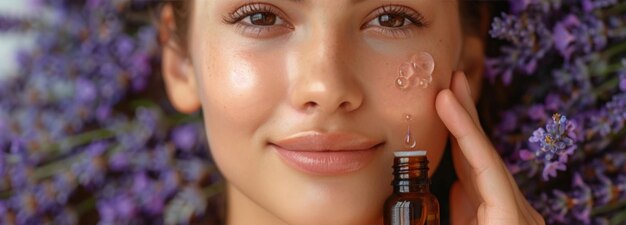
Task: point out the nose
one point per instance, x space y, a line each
322 78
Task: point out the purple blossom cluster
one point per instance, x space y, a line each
83 139
572 55
552 145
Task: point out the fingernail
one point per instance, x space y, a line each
467 86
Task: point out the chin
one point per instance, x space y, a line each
350 209
336 216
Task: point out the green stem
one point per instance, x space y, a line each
619 218
55 149
5 194
79 139
617 9
616 49
608 208
213 189
52 168
86 205
614 68
608 85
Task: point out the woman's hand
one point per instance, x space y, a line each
486 192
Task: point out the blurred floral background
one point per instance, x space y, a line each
87 135
86 132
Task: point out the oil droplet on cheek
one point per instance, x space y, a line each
417 72
402 83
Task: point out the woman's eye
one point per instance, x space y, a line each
390 20
255 14
263 19
258 20
395 21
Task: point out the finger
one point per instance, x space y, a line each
465 174
459 87
462 91
491 181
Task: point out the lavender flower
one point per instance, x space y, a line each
589 5
580 73
530 39
571 34
557 139
11 24
552 145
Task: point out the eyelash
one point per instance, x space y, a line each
416 19
396 10
248 10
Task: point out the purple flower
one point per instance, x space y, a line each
90 167
66 121
537 112
578 72
563 37
12 24
530 40
519 5
551 168
583 199
577 203
185 137
589 5
509 121
118 208
557 138
579 34
553 102
616 108
85 91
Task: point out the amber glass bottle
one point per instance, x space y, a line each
411 202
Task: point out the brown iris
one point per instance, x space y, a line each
391 20
263 19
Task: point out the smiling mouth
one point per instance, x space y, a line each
327 162
327 154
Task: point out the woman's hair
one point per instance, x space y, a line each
182 10
474 18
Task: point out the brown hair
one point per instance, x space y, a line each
182 9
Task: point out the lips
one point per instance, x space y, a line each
326 153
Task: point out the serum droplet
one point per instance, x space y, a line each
406 70
409 141
402 83
418 71
423 62
407 117
425 82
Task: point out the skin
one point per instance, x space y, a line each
321 70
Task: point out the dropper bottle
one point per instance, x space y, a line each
411 202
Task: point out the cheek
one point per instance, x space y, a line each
240 91
389 103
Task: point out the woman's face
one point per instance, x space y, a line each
323 70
